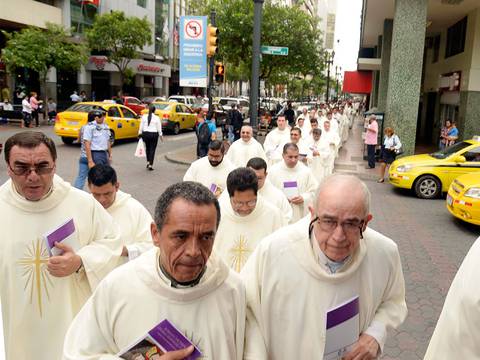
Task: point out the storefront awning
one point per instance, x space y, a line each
357 82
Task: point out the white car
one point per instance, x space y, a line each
242 104
184 99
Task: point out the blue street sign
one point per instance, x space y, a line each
193 51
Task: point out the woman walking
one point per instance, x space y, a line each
34 103
26 111
391 146
150 129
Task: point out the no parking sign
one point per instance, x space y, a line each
193 54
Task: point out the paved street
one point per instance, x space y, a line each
432 244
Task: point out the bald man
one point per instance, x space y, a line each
330 259
245 148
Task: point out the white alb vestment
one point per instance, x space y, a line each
289 292
238 236
137 296
38 307
330 140
274 142
240 152
201 171
319 159
457 334
277 198
133 221
282 176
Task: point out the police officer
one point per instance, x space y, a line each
96 138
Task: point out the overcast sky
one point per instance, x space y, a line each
347 30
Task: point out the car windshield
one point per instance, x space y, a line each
162 106
84 108
445 153
227 102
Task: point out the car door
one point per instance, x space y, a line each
190 117
180 116
472 163
116 121
132 122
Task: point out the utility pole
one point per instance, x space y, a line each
329 62
211 67
255 82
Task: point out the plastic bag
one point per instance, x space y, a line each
140 150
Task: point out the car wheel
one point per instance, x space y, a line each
112 137
428 187
67 140
176 129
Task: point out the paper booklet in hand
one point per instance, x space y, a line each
290 189
164 337
343 327
65 233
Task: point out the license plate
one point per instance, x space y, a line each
72 122
449 200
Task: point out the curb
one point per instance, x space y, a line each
169 157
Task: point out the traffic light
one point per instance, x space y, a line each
219 72
212 41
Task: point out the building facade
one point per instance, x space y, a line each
425 58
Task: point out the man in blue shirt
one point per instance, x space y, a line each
96 138
206 132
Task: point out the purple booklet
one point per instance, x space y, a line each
290 189
64 233
164 337
342 329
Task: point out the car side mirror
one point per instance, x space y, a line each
459 159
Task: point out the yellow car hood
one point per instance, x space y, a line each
423 159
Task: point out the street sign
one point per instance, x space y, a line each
193 54
274 50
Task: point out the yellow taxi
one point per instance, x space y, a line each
174 115
428 175
463 198
122 121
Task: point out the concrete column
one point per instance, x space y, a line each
405 72
84 80
384 72
51 84
467 122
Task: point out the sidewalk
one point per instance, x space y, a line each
349 161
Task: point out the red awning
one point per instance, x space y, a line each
357 82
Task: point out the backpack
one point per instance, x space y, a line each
204 134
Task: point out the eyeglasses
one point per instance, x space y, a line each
42 169
239 204
348 227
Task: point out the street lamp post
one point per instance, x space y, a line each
254 84
329 61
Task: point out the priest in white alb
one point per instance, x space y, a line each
245 148
130 216
275 140
269 192
329 140
319 155
212 170
181 280
330 259
295 180
457 334
246 218
41 292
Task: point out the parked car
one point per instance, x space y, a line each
134 104
463 198
428 175
184 99
147 100
227 102
123 122
175 116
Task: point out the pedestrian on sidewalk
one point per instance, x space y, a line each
97 140
150 130
26 111
391 146
452 135
371 140
79 182
34 103
206 132
51 111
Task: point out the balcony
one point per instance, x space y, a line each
29 12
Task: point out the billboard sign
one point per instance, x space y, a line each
193 51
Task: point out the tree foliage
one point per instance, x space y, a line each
39 50
281 26
119 37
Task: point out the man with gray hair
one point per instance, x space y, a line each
181 280
328 284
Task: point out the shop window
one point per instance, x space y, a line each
436 48
82 16
456 35
142 3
